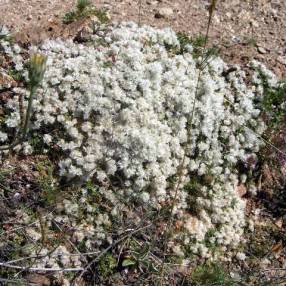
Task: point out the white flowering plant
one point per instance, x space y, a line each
126 112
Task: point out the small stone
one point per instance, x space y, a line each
282 60
30 17
153 3
279 222
254 23
241 190
164 13
261 50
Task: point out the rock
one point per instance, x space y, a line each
282 60
153 3
261 50
254 23
165 12
241 190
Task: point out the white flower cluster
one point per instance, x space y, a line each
79 222
11 50
125 107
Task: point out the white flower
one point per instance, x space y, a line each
145 197
47 138
3 136
241 256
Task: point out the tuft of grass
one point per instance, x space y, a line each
84 9
82 5
198 44
46 182
211 274
250 41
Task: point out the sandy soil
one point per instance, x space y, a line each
243 29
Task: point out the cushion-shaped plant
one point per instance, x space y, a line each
130 109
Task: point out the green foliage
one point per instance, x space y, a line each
70 17
94 197
199 47
106 266
46 181
139 257
250 41
210 233
36 141
274 101
193 188
84 9
199 41
16 75
184 40
82 4
211 275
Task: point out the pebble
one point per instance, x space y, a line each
152 2
282 60
261 50
164 13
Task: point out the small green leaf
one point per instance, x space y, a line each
144 253
128 262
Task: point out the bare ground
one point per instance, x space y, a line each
242 29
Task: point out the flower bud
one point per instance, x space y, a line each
37 69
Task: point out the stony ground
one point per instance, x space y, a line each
242 29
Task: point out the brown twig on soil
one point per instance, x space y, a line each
70 242
38 269
130 234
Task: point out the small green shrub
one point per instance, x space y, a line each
106 266
82 4
84 9
274 103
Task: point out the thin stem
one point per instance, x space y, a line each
36 269
168 230
139 12
29 111
21 133
130 234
